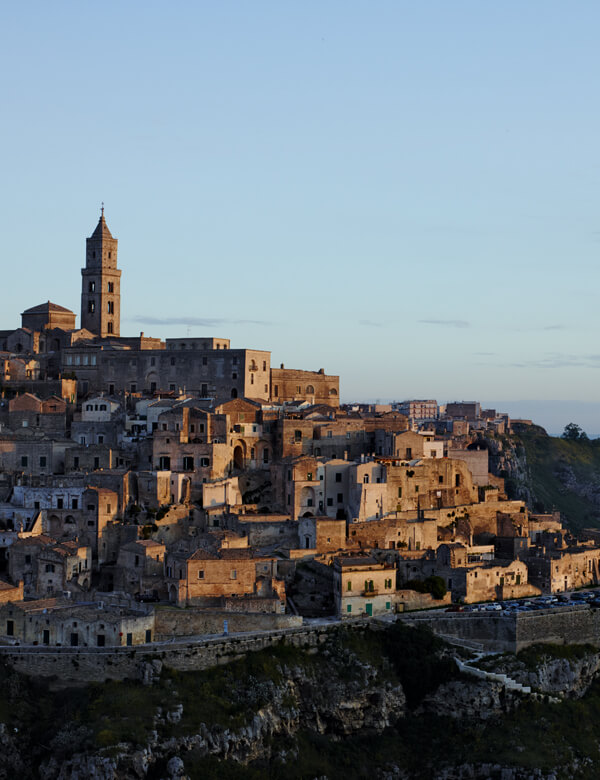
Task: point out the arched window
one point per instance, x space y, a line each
310 390
234 393
333 391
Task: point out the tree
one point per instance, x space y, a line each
573 432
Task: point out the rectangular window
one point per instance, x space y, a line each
200 575
74 503
340 498
110 307
111 287
349 585
349 608
109 327
91 307
330 502
338 476
233 574
10 628
42 461
24 461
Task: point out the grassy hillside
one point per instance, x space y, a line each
564 475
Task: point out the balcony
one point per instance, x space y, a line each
370 593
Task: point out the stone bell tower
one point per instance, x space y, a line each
101 283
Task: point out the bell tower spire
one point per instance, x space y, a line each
101 283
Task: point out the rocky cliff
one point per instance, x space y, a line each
385 703
549 473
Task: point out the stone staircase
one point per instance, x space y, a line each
503 679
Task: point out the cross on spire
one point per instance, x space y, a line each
102 209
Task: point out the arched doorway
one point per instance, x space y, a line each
238 457
307 498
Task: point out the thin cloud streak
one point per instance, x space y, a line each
205 322
448 323
558 360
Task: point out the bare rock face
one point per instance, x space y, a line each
568 677
339 697
480 699
12 762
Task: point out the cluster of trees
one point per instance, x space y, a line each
573 432
434 585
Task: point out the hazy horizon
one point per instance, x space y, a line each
553 416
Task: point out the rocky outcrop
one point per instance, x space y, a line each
340 697
508 459
554 676
469 699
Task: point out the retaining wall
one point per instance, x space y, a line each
72 665
511 633
169 622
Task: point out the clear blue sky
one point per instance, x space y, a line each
404 193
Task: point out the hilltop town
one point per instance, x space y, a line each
152 488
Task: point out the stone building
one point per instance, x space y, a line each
418 411
101 284
46 565
316 387
558 570
59 622
47 316
363 586
206 576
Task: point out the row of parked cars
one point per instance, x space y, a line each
590 598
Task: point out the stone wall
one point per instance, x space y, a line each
170 622
76 665
511 633
491 631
